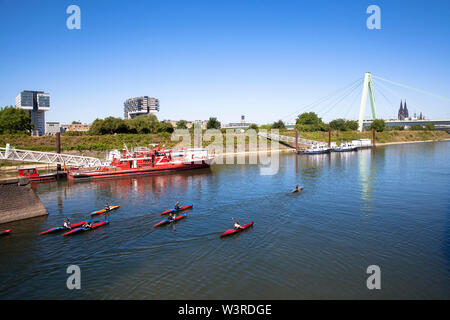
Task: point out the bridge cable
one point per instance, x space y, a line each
323 99
378 90
351 106
415 89
341 98
400 97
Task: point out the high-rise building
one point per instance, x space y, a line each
134 107
36 103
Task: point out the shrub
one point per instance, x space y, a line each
278 125
213 123
429 126
416 127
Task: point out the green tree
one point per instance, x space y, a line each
213 123
76 122
309 118
351 125
14 120
378 125
165 127
96 127
310 121
338 124
253 126
113 125
182 124
278 125
145 124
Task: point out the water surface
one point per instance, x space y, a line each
388 207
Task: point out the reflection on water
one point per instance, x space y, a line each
366 178
315 244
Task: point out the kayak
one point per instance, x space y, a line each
5 232
166 221
57 229
92 227
111 208
180 209
233 231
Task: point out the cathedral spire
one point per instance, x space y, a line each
400 111
405 110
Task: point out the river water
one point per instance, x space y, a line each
388 207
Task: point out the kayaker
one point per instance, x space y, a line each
171 217
86 225
67 223
236 224
177 205
297 189
107 208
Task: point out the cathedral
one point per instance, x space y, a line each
403 113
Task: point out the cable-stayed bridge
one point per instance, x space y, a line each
343 101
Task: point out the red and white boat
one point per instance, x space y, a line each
33 175
146 161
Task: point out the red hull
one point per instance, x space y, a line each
5 232
127 172
56 229
180 209
94 226
234 231
164 222
43 178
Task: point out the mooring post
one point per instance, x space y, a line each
296 140
58 148
329 138
373 138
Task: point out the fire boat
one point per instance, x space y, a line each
144 160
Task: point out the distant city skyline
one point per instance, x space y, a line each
266 59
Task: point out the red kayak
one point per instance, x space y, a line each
233 231
92 227
180 209
166 221
5 232
72 226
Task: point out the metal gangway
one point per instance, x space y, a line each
11 154
278 137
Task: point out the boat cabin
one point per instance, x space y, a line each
31 172
33 175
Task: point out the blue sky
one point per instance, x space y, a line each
263 59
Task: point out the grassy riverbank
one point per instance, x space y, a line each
116 141
380 137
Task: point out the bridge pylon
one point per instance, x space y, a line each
367 87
